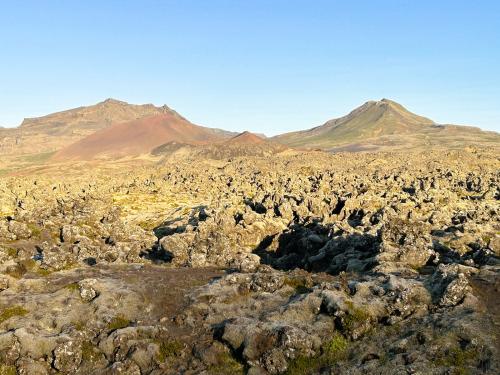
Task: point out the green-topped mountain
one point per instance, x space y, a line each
385 124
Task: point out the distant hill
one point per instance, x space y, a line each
385 124
94 117
139 137
55 131
246 138
243 144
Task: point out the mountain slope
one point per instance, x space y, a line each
138 137
55 131
385 124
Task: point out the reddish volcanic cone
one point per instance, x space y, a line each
137 137
246 138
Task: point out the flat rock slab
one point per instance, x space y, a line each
154 291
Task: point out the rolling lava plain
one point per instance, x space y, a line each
169 251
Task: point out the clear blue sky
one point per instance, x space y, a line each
261 65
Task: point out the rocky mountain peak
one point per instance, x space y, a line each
113 101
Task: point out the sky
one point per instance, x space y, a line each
267 66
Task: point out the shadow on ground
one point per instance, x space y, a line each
316 248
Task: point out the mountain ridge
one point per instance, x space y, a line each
107 111
374 125
382 124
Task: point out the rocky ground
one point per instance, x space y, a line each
374 263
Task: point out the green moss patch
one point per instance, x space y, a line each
90 352
36 158
7 370
12 252
332 352
43 272
168 349
300 284
17 270
226 365
79 325
36 232
73 286
11 312
355 317
118 322
458 359
336 347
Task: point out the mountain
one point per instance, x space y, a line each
55 131
93 117
385 124
139 137
243 144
